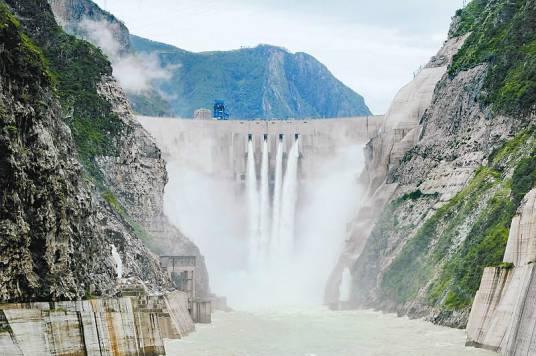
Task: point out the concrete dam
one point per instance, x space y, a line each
225 142
281 193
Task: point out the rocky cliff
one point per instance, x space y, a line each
448 172
84 19
136 178
57 234
70 15
62 221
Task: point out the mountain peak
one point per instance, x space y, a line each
264 81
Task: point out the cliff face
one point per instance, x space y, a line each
70 15
129 167
57 233
445 180
86 20
260 82
401 130
136 176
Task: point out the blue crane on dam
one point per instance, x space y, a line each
220 112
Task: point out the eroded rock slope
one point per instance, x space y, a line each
445 180
57 233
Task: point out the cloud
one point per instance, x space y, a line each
135 72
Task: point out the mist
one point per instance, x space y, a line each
136 73
216 214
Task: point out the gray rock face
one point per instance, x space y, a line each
437 134
70 13
400 132
456 137
56 233
137 177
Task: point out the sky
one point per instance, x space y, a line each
374 47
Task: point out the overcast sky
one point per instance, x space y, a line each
372 46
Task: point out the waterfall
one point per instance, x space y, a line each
345 287
118 263
253 205
288 204
264 223
276 206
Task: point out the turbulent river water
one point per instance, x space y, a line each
320 332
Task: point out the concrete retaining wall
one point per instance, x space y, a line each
503 316
122 326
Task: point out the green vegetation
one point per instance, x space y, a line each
259 82
416 255
417 194
486 207
506 265
20 58
504 36
135 228
79 67
469 16
501 156
75 68
484 246
524 178
150 104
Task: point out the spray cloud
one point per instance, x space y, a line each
135 72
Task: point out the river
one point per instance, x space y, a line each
320 332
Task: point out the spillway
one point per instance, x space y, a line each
276 206
267 202
264 223
253 205
288 205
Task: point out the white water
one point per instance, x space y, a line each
346 286
276 206
264 224
216 216
319 332
117 262
270 243
285 246
253 207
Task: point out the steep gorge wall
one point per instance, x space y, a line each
65 236
444 187
401 130
57 234
133 172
